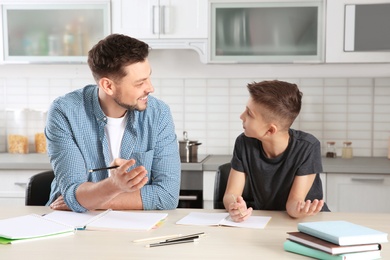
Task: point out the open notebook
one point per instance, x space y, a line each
109 219
32 226
222 219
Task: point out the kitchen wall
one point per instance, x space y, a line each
340 101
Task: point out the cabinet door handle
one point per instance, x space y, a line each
165 19
156 19
371 180
21 184
188 197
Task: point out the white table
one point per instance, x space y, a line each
219 243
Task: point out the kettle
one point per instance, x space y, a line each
188 149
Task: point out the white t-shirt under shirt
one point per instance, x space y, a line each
114 131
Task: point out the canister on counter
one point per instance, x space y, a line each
37 121
331 150
347 152
17 137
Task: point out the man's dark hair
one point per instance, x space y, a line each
110 55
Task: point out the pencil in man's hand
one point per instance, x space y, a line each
104 168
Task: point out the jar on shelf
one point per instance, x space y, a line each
331 150
17 137
347 150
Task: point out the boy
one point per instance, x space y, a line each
282 165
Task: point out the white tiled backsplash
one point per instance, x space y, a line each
334 108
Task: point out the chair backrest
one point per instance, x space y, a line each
38 189
221 178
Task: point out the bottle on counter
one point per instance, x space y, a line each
347 150
331 150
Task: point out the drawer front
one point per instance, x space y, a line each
358 192
13 183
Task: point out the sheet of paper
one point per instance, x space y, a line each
74 219
202 219
252 222
127 220
214 219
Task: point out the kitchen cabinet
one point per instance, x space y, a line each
345 25
161 19
13 185
208 189
358 192
52 31
164 24
261 31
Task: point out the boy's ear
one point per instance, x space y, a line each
273 129
106 85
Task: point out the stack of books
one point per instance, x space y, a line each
335 240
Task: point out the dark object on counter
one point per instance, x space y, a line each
38 189
221 178
331 155
331 150
188 149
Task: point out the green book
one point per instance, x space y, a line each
32 226
297 248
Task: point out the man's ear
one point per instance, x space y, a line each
106 85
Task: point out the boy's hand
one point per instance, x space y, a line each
238 210
309 208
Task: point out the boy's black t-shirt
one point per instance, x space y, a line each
271 179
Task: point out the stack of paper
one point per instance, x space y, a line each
335 240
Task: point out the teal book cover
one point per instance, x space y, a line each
297 248
343 233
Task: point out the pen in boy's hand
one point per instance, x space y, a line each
104 168
235 200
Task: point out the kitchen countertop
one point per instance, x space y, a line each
372 165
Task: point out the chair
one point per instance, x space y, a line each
221 179
38 189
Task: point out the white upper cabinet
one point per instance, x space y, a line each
161 19
358 31
164 24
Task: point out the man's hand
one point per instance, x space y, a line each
128 181
59 204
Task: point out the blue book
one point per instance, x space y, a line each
343 233
297 248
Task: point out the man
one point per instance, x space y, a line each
117 123
282 165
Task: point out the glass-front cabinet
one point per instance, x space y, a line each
267 31
53 31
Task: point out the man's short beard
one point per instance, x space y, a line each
127 107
